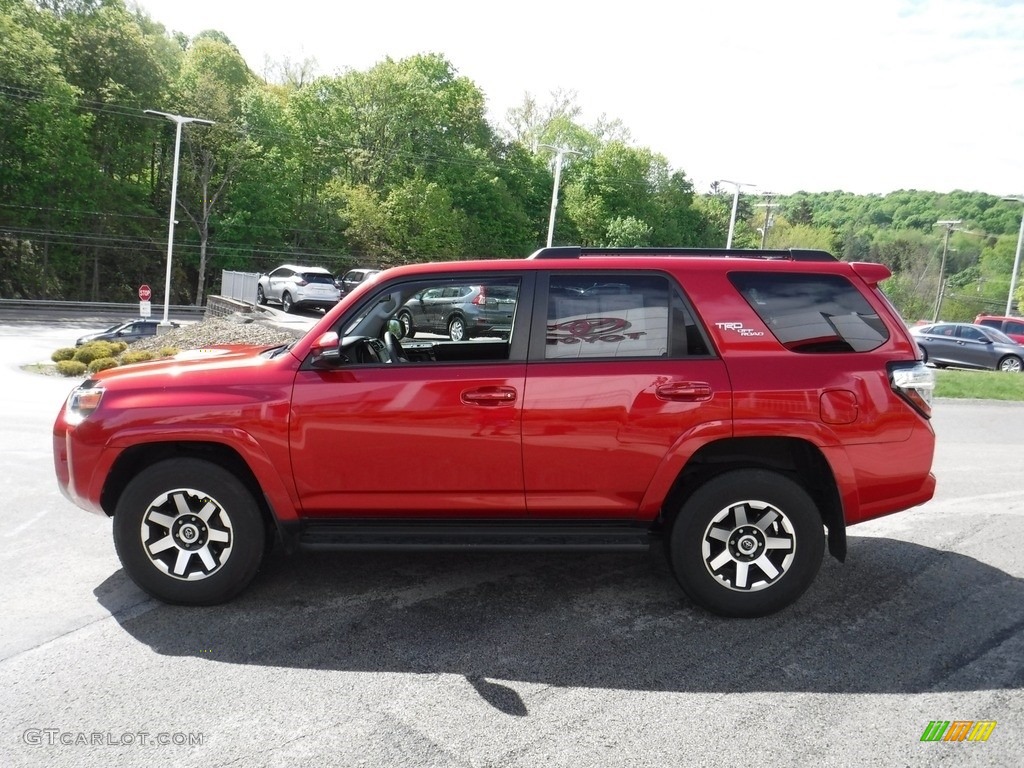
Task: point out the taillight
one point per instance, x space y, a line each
300 282
915 383
481 298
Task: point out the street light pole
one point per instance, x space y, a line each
1016 259
735 205
560 152
178 120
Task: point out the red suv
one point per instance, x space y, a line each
739 408
1011 326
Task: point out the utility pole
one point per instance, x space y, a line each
950 226
767 215
735 205
560 152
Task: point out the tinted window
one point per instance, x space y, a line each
591 316
316 277
989 323
812 313
1013 327
976 334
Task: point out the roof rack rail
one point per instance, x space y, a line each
578 252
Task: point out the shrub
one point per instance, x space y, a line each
94 350
64 353
137 356
168 351
119 346
102 363
70 367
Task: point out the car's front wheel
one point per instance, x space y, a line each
189 532
408 329
261 297
1010 364
747 543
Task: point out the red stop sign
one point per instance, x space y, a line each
145 293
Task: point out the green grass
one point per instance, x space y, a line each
980 385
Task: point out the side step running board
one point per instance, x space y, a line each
477 536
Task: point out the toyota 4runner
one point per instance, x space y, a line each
738 408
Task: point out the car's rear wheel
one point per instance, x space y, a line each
1010 364
188 531
261 297
286 301
747 543
457 330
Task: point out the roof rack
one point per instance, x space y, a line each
578 252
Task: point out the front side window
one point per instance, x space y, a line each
810 313
617 316
437 319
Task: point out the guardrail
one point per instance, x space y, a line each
92 307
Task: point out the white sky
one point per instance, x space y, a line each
785 95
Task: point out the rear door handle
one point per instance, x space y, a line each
490 396
685 391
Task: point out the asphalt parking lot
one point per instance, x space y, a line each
512 660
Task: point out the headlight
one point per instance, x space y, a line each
82 401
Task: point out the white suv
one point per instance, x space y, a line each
292 286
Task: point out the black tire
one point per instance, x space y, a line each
924 354
1010 364
747 543
261 297
457 330
408 329
189 532
286 301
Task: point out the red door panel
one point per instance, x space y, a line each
409 440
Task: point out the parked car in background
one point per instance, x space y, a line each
1011 326
292 286
129 331
968 345
460 312
351 279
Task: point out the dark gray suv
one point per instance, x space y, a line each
460 312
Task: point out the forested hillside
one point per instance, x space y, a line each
374 168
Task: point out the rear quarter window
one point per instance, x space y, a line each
811 313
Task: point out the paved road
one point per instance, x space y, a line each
511 660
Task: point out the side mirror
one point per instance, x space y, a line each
395 328
325 350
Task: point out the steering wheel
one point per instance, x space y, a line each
395 351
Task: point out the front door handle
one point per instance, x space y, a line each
685 391
490 396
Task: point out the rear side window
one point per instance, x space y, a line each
990 323
620 316
812 313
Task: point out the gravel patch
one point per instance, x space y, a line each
232 329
